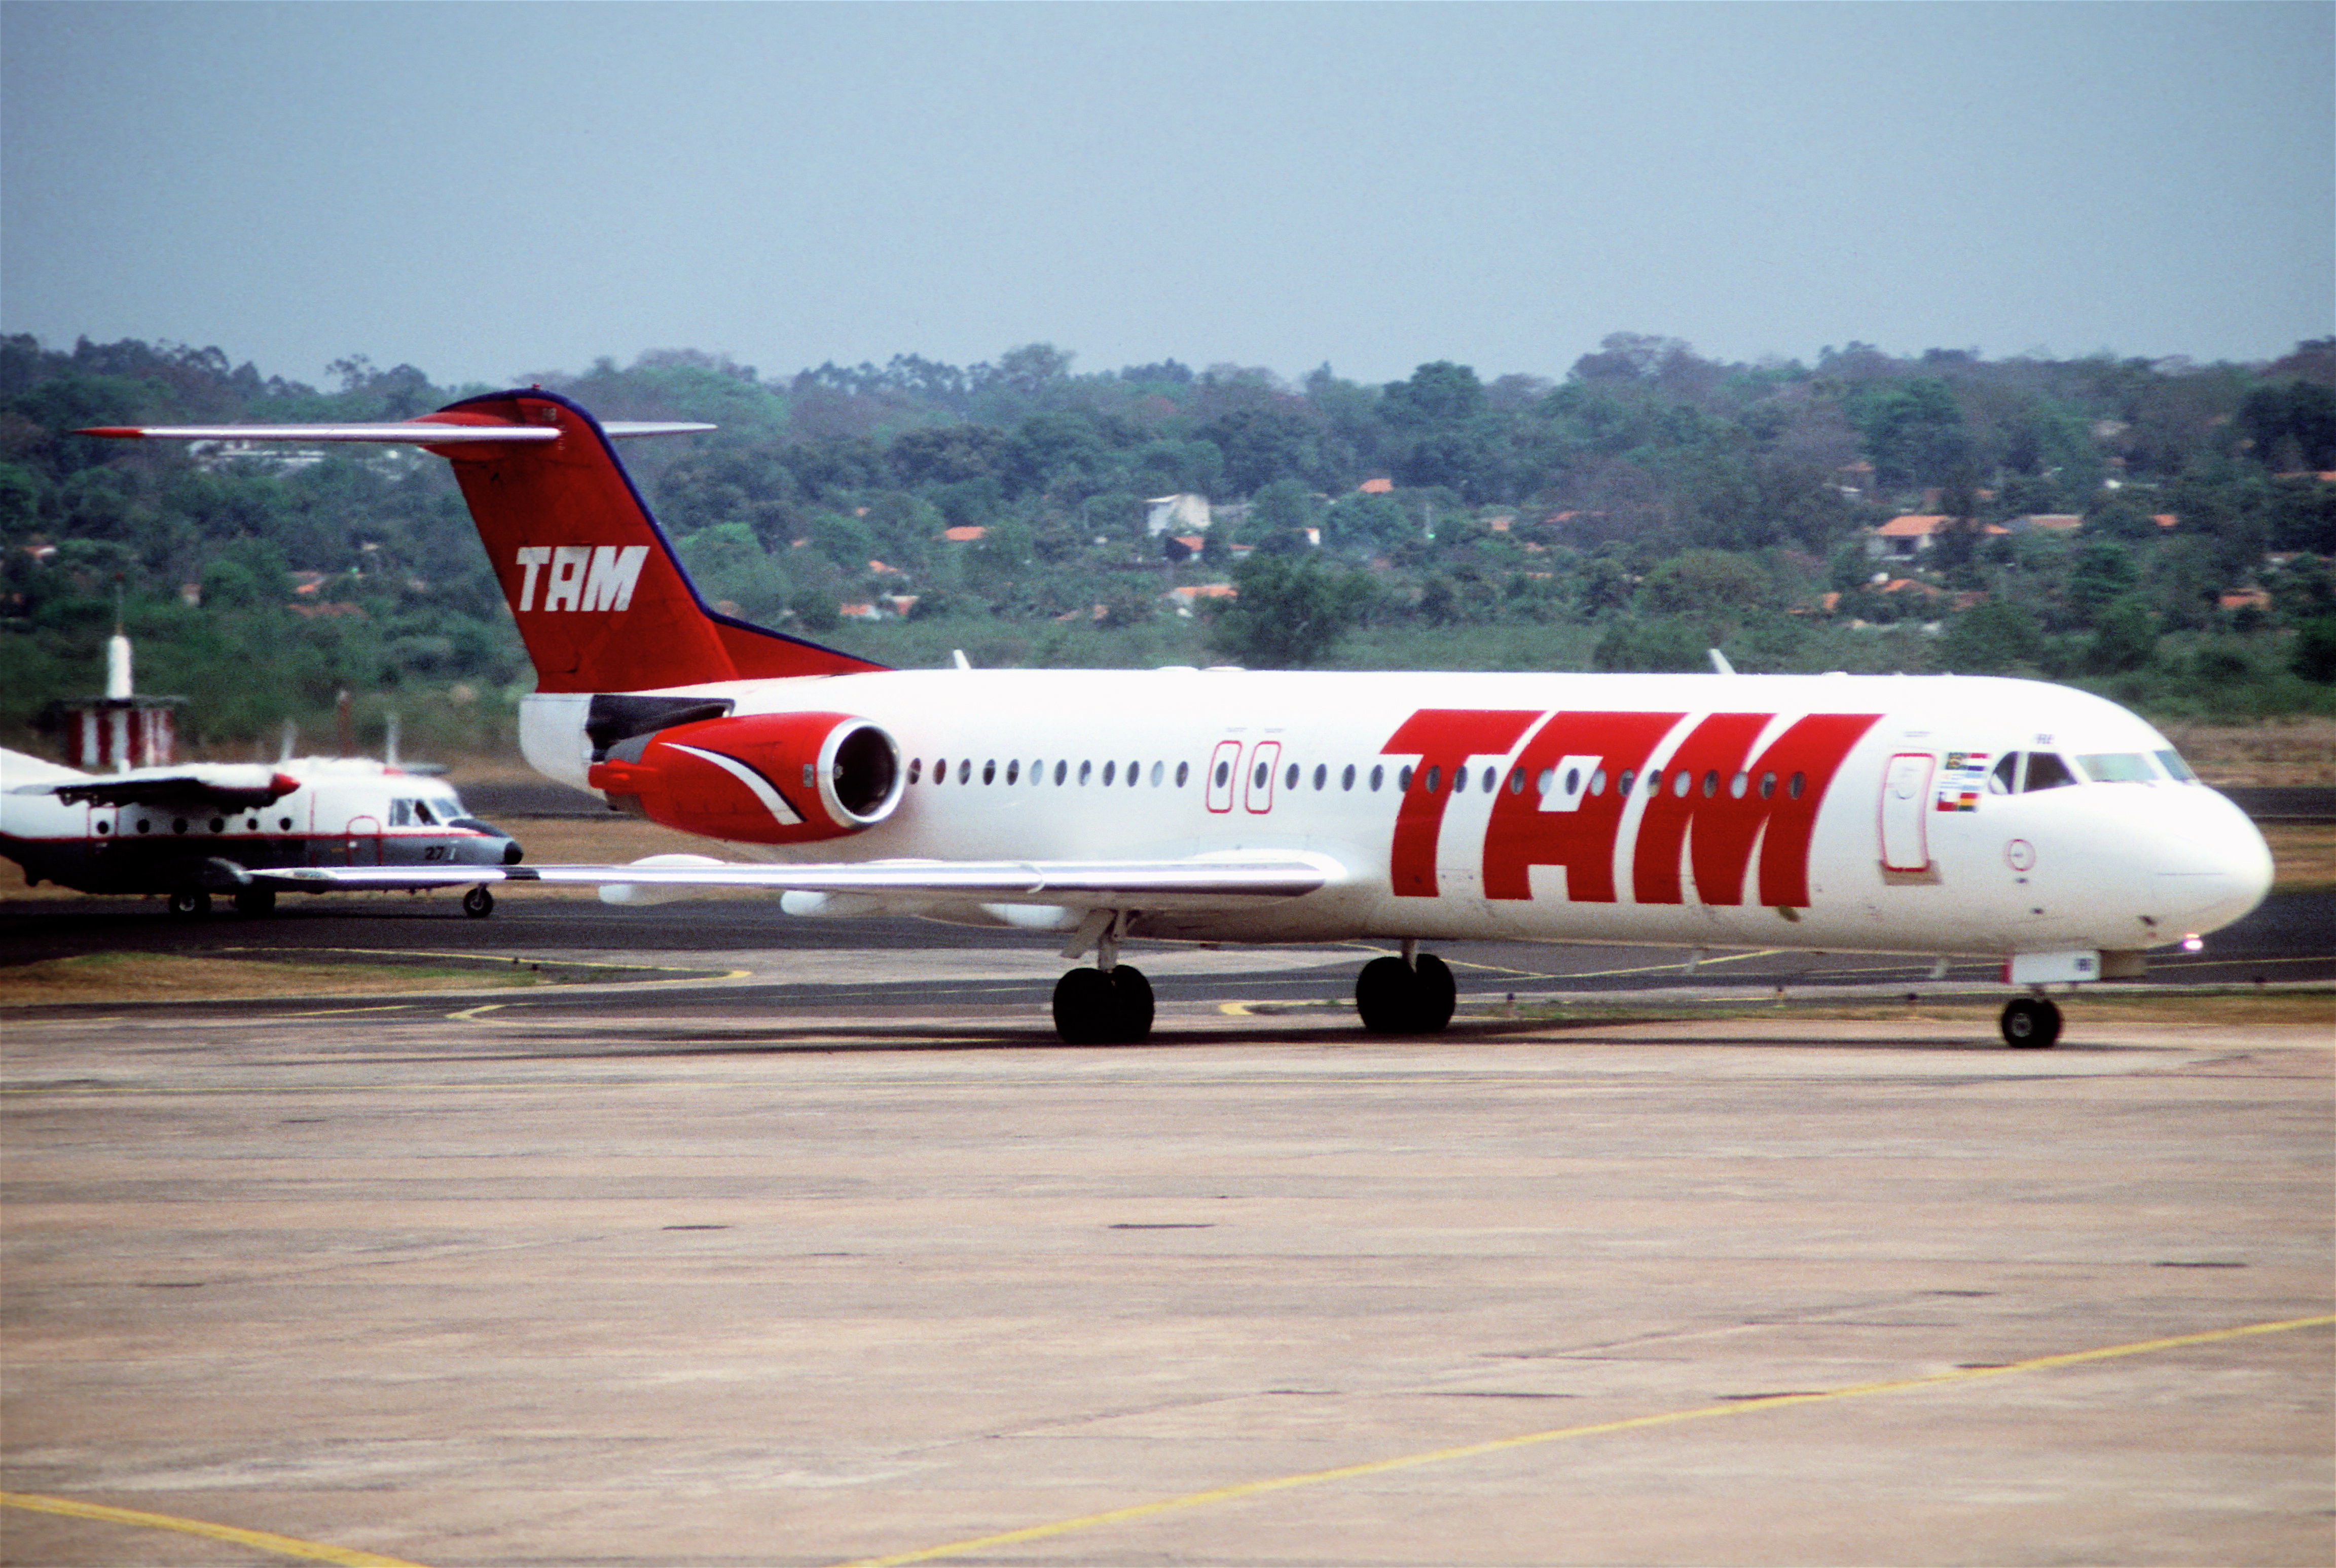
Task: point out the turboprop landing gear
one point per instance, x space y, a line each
1110 1004
2030 1023
478 903
191 904
1412 995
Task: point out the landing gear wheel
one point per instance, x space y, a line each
478 903
191 904
1398 999
255 901
1131 996
1436 995
2030 1023
1096 1008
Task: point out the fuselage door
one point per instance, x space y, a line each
363 838
1905 798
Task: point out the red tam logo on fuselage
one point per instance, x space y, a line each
1567 795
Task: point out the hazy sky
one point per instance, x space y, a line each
484 191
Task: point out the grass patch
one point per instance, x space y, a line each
170 977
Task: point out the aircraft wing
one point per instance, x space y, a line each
1169 884
225 786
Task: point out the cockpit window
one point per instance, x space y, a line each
2114 768
2176 768
2005 779
421 814
2045 771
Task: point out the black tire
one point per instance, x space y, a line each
191 904
1131 998
1084 1006
1384 995
1436 996
2030 1023
478 903
255 901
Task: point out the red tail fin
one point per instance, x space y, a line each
601 602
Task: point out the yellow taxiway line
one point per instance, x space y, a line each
1529 1439
263 1540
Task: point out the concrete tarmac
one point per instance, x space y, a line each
687 1277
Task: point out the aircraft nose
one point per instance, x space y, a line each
2213 867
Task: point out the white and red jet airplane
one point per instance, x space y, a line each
1934 815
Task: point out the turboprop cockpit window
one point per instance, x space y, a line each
2115 767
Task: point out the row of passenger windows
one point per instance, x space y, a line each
1680 780
1062 772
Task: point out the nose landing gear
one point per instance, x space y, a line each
2030 1023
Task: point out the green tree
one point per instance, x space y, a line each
1289 612
1992 639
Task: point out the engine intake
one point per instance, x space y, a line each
770 778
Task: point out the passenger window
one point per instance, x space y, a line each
1321 775
1654 780
1800 782
2005 779
1109 768
1224 771
1290 779
1062 771
2045 771
916 769
1459 781
1767 787
965 771
1183 771
1086 770
1402 778
1347 779
940 770
1012 770
1598 781
1622 784
1436 780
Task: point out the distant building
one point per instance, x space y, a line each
1910 537
1185 513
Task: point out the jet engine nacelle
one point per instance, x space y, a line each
768 778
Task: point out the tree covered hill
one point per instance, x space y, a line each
1648 504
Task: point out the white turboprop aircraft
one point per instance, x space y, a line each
195 828
1936 816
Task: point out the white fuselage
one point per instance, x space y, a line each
1908 843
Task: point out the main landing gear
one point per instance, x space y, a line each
1110 1004
1412 995
189 903
2030 1023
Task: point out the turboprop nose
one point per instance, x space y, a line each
2212 864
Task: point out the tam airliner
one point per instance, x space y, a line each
1931 815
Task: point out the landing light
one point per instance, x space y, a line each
2192 942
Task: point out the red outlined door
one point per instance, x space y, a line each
1257 784
363 838
1905 830
1223 764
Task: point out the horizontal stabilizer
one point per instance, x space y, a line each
418 432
